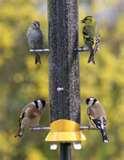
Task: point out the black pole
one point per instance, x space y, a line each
64 65
65 151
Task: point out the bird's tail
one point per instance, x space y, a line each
94 49
91 58
104 135
37 59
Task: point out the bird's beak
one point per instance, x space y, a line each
82 20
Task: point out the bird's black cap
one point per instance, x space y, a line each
43 102
36 103
86 18
36 22
89 98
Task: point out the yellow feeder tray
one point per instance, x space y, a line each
63 130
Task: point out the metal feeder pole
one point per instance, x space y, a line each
64 65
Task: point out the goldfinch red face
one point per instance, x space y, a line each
40 104
36 108
30 115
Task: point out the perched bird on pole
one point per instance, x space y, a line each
30 116
89 35
97 115
35 39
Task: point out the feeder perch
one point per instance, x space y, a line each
39 50
82 49
64 130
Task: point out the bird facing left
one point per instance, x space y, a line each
89 36
30 115
97 115
35 39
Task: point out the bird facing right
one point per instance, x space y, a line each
35 39
97 115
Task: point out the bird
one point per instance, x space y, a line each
30 115
97 115
35 39
89 33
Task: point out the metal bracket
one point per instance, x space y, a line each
39 50
88 128
81 49
54 145
40 129
47 128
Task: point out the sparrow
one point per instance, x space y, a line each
89 35
30 115
35 39
97 115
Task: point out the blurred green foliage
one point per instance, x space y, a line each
21 81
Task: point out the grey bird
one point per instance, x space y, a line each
30 115
97 115
35 39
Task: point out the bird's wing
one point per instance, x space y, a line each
89 31
28 32
97 122
100 122
35 38
40 37
90 115
23 112
22 115
103 120
100 111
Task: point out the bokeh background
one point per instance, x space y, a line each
21 80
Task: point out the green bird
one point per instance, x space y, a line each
89 34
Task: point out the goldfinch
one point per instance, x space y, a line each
97 115
30 115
